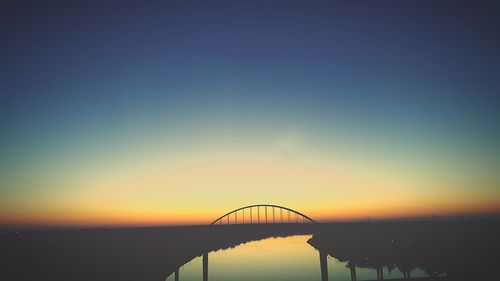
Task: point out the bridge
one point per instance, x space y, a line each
281 219
263 214
275 214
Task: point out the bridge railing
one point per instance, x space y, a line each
263 214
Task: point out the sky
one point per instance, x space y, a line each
175 112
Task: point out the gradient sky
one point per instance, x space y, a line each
178 111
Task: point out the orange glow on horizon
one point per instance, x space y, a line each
354 213
198 192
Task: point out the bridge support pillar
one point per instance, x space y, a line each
353 272
380 273
176 275
205 267
323 265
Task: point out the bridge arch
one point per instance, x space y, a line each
232 216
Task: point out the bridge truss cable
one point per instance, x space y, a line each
232 216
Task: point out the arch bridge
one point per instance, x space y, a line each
263 214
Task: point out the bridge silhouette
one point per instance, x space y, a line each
279 217
275 215
326 244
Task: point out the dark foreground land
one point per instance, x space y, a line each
464 250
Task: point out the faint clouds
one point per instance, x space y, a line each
290 145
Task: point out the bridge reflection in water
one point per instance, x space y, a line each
323 254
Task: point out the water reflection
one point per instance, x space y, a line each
286 258
289 258
368 259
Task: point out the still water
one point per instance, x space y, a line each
282 258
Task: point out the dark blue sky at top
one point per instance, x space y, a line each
89 65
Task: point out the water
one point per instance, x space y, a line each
283 258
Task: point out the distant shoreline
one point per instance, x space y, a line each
450 218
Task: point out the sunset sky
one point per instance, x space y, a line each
175 112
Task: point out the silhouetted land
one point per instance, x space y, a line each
464 250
